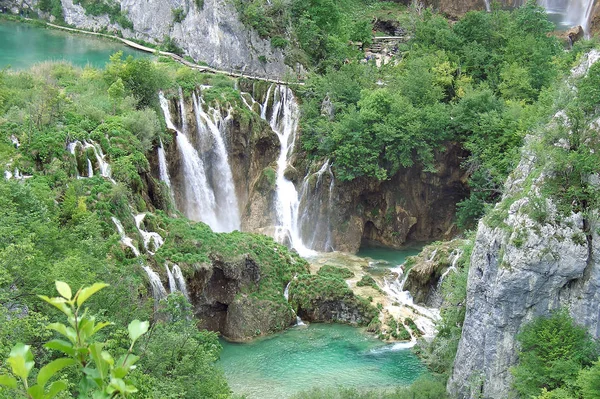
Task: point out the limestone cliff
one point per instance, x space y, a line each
529 258
211 33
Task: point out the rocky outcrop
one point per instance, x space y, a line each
528 260
319 298
412 205
211 33
219 293
429 269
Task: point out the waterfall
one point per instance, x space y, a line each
150 237
226 205
128 242
569 13
172 284
454 256
163 168
316 203
426 318
199 199
90 168
284 122
488 7
180 281
158 291
286 295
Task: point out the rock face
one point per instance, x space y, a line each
525 263
218 293
211 34
412 205
429 269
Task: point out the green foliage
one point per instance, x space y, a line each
552 352
368 281
423 388
106 7
335 271
179 15
105 379
309 290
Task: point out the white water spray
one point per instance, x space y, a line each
284 122
150 237
163 167
226 205
128 242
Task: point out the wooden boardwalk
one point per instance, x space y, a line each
201 68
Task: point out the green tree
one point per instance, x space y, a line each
552 351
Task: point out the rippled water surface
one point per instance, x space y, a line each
321 355
23 45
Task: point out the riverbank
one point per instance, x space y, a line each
151 50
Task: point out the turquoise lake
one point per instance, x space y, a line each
23 45
320 355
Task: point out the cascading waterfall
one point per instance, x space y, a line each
394 288
286 295
316 207
128 242
163 168
284 122
150 237
454 257
226 205
103 165
569 13
171 279
199 199
180 281
158 291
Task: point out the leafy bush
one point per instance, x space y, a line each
552 351
334 271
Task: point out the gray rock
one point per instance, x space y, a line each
521 268
213 34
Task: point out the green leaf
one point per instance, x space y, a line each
55 388
61 345
100 326
68 332
59 303
88 292
36 392
52 368
64 290
21 360
8 381
137 329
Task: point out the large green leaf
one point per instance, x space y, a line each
55 388
60 303
64 290
8 381
52 368
68 332
87 292
61 345
137 329
21 360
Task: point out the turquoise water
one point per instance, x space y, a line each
388 258
321 355
23 45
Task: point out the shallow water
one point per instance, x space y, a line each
385 258
23 45
320 355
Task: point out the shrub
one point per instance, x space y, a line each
552 351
